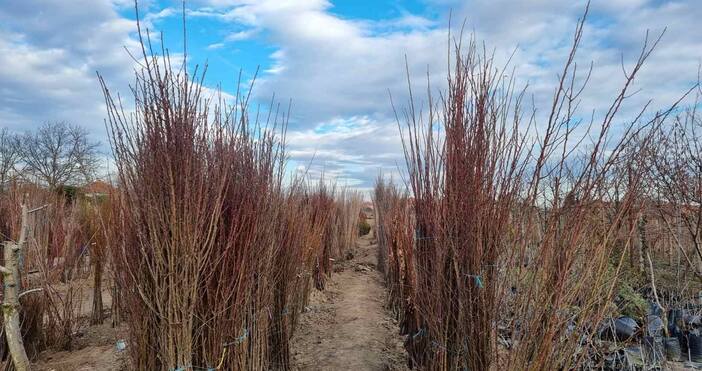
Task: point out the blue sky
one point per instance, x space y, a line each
336 60
230 46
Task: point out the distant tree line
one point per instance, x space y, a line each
56 154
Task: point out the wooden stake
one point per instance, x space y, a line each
11 305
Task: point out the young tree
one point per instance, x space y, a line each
59 153
677 168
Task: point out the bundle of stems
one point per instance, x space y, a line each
394 233
196 180
322 200
514 233
215 256
348 207
465 188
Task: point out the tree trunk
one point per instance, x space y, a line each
96 318
11 307
115 309
643 242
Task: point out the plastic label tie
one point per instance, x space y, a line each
418 333
477 279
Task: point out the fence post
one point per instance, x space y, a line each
11 306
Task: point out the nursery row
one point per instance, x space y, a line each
509 250
207 247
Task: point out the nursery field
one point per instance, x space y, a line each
514 237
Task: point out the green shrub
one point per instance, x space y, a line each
68 192
631 303
363 227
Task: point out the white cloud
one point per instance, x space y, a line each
338 71
240 35
150 18
50 51
335 67
215 46
353 150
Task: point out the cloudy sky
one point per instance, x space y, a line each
337 60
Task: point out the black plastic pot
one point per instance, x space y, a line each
682 338
675 317
673 351
625 328
692 321
653 350
694 344
654 325
633 358
654 309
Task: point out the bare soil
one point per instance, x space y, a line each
346 327
93 347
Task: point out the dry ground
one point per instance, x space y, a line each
346 326
94 347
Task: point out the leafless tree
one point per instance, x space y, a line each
9 155
677 170
59 153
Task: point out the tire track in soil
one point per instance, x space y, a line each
346 327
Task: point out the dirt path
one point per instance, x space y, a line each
346 326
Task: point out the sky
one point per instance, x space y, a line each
337 61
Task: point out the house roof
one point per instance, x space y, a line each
99 187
